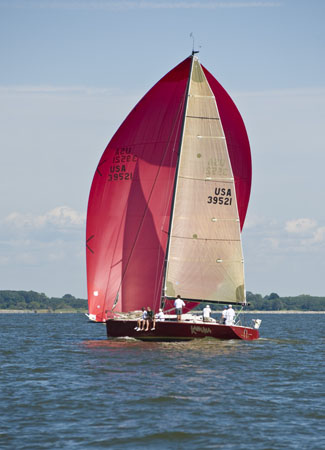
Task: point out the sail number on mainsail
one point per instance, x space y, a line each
224 199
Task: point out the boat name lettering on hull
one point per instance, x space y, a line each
119 170
198 329
221 196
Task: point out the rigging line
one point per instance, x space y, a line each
147 205
238 314
169 195
175 130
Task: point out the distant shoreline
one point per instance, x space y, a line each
45 311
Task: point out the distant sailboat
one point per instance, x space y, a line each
166 208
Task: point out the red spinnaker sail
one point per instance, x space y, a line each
130 201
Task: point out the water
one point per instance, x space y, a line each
65 386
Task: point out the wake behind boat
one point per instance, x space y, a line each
166 208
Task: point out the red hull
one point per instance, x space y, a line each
179 331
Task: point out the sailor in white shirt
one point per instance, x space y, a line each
206 313
178 303
142 320
230 315
160 316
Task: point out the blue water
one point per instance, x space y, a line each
65 386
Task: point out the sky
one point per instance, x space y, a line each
71 70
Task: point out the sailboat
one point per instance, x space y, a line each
166 208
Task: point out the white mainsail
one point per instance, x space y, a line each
205 260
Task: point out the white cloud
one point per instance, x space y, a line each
32 240
61 217
64 216
267 239
317 237
253 220
300 225
319 234
279 261
134 5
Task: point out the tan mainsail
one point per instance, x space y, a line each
204 260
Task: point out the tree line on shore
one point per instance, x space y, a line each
274 302
30 300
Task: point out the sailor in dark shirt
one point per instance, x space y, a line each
150 318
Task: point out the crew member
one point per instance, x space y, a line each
230 315
160 316
178 303
150 319
207 314
142 320
223 315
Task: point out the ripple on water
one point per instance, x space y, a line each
64 385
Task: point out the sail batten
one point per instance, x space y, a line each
208 137
209 179
204 118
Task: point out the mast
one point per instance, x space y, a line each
176 174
